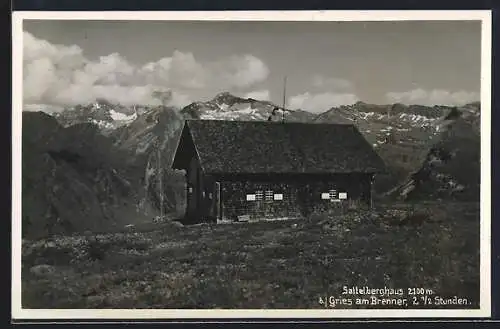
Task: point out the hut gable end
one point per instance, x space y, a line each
186 150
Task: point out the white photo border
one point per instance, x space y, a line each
18 313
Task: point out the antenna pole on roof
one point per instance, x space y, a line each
284 100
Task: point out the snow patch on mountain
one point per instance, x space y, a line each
101 124
105 115
225 106
118 116
415 117
247 114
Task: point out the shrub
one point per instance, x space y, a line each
96 250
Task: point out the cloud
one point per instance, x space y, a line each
320 102
328 92
262 95
240 71
42 107
434 97
62 75
181 70
332 84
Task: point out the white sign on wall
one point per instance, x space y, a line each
278 197
343 195
325 196
250 197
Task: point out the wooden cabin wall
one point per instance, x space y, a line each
234 200
201 195
301 195
355 186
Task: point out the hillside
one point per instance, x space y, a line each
243 265
73 179
159 128
451 169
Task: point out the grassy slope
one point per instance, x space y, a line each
260 265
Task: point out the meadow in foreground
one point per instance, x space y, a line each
282 264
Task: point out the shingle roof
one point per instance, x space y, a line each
276 147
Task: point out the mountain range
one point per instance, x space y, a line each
96 166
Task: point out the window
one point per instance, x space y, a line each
278 197
243 218
190 190
333 194
343 195
250 197
325 196
259 195
269 195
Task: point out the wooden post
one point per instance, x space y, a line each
160 181
284 100
218 203
371 191
187 193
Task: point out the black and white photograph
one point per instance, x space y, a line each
320 164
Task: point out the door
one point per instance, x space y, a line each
192 200
304 198
215 207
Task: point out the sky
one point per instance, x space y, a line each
326 64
